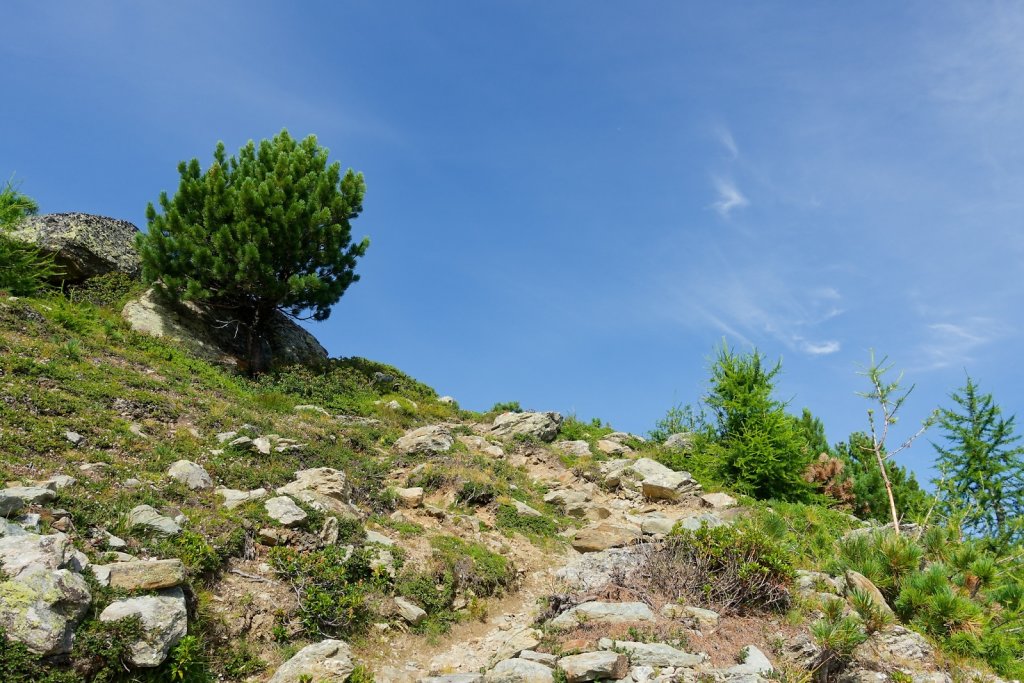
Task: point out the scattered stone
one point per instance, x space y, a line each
567 498
9 504
164 620
94 468
656 524
594 666
410 612
262 445
191 474
454 678
19 551
894 646
325 481
604 613
136 429
525 510
57 482
717 501
545 658
603 536
680 441
142 575
284 511
383 561
74 438
40 607
482 445
653 654
613 447
410 497
754 662
132 483
329 661
224 437
543 426
378 538
28 495
512 644
519 671
695 522
146 516
578 448
306 408
429 439
234 498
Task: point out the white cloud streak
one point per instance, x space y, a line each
729 197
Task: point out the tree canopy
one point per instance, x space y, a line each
266 230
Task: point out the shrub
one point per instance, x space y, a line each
508 519
728 569
837 636
25 268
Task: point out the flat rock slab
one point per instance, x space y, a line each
29 495
284 511
594 666
329 661
141 575
519 671
325 481
234 498
653 654
604 613
604 536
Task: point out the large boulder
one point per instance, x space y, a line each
40 608
205 332
164 621
543 426
83 245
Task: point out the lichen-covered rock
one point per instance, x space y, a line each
329 661
164 621
40 608
543 426
83 245
141 575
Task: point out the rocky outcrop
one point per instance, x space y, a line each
429 439
542 426
83 245
206 333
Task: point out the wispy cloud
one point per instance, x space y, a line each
820 348
948 344
729 197
725 138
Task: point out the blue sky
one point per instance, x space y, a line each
571 203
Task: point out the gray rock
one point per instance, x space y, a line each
284 511
10 528
74 438
198 329
29 495
191 474
141 575
164 620
754 662
604 536
680 441
604 613
83 245
57 482
547 659
857 581
543 426
447 400
40 607
308 408
378 538
9 504
695 522
653 654
234 498
410 612
20 551
479 444
894 646
411 497
329 661
147 517
324 481
594 570
578 448
567 498
656 524
717 501
610 447
429 439
454 678
594 666
519 671
516 640
525 510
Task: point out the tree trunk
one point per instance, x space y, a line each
888 488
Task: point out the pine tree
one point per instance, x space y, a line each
764 453
982 471
24 269
268 230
